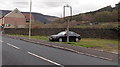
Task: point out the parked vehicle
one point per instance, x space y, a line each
62 37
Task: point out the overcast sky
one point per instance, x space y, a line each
55 7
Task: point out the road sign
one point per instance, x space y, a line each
7 25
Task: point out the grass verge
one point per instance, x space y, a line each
96 43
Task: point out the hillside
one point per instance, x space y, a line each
38 16
105 14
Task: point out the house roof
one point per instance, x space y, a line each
14 13
26 15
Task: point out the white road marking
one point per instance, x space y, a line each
1 41
45 59
13 46
106 58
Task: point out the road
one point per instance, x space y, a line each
0 50
17 52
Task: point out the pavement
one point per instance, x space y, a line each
15 51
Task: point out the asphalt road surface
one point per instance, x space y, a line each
17 52
0 50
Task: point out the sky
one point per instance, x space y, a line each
55 7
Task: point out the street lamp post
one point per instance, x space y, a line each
30 20
67 20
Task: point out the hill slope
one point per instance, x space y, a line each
105 14
38 16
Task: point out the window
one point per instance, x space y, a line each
27 20
61 33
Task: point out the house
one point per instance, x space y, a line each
27 16
15 19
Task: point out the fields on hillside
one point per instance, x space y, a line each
76 25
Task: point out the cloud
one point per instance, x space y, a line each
55 7
21 4
53 4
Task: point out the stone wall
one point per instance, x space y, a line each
85 33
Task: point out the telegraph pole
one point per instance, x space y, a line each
68 20
30 20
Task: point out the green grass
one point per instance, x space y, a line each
96 43
41 37
83 26
103 44
33 37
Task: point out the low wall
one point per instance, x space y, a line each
85 33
